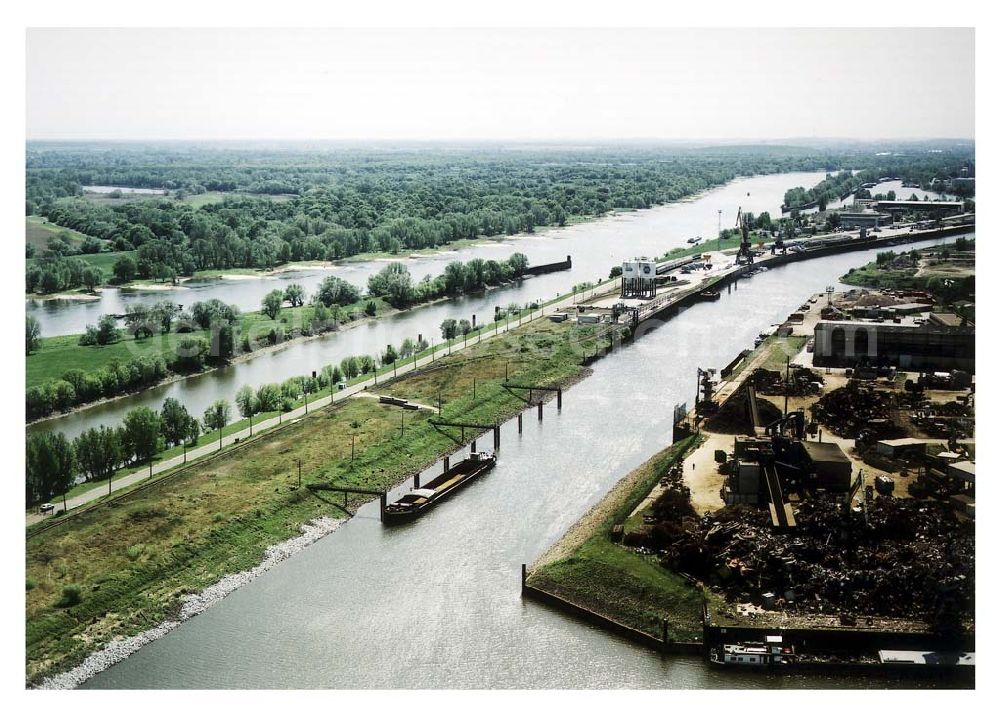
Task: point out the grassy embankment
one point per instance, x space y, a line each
931 265
615 581
57 354
38 231
134 559
875 277
242 424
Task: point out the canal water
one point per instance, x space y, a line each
436 604
594 247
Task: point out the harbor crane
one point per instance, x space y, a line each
745 254
779 240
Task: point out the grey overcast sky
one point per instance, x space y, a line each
499 84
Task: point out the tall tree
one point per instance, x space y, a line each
271 304
91 278
246 402
295 295
335 291
216 417
268 398
519 263
107 330
32 334
125 268
50 462
175 422
99 452
142 433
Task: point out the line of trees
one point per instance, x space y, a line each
56 273
395 284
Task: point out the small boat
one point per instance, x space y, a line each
420 500
694 241
709 295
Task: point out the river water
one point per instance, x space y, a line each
594 247
436 604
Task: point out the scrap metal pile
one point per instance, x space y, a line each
907 559
801 382
734 415
857 411
945 419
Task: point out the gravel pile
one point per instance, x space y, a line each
192 605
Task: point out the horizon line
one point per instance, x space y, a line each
447 140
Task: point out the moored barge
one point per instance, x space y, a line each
420 500
768 654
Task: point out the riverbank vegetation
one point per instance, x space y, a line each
343 201
160 340
947 272
218 516
588 569
108 452
931 172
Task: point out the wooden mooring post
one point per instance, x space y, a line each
416 480
539 410
524 575
520 422
381 508
496 438
473 450
447 463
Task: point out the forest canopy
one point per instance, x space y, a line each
292 204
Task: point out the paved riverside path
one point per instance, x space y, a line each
212 447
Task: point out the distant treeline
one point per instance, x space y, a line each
351 202
929 171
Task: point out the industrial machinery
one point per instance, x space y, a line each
704 402
779 241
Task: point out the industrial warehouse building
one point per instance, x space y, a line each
937 208
863 219
926 347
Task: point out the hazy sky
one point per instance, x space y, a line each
499 84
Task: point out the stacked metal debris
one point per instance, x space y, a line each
857 411
801 382
908 559
944 419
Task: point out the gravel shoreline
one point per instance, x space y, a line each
192 605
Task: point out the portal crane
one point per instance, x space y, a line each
779 241
745 255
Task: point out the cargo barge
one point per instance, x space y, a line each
420 500
772 652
